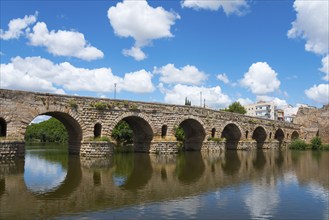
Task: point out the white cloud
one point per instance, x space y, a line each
38 74
278 102
148 23
17 26
213 96
134 52
40 118
138 82
325 67
189 75
311 24
230 7
63 43
319 93
245 101
260 79
223 77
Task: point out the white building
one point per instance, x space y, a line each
262 110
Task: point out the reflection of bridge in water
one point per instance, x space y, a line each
91 185
153 124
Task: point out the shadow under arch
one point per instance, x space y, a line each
279 136
194 134
69 185
259 135
294 135
232 134
142 132
190 167
140 174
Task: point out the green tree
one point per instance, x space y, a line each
236 107
122 133
179 133
51 130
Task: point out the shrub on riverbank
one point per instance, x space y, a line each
316 144
298 144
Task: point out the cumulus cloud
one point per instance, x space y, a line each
310 24
134 52
223 77
319 93
39 74
188 74
214 97
244 101
63 43
137 19
138 82
260 79
278 102
325 67
16 27
238 7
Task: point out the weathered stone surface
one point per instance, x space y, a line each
314 122
153 123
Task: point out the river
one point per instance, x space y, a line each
258 184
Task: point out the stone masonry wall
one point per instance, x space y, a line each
11 149
313 122
80 115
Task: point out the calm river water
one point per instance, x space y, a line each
259 184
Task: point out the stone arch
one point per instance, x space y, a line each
259 135
72 125
194 132
294 135
97 130
142 129
232 134
279 136
3 127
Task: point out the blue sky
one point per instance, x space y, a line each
164 51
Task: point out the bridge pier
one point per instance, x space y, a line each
11 149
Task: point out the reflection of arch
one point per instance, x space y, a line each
143 132
232 134
232 162
71 182
97 130
141 173
294 135
3 127
259 135
279 136
190 167
260 160
194 134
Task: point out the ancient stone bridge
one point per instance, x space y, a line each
153 124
